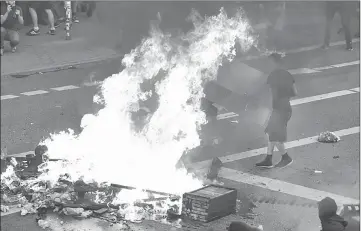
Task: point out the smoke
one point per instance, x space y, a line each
112 147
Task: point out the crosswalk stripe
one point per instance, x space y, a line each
283 187
304 100
64 88
38 92
3 97
261 151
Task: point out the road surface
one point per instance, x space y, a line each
328 100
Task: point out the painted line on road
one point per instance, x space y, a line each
260 151
283 187
64 88
3 97
299 50
324 96
303 71
97 83
303 100
31 93
300 71
293 103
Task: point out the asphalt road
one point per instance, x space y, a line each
27 119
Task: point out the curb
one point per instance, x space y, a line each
117 56
59 67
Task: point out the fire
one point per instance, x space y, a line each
110 149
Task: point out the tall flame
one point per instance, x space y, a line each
110 149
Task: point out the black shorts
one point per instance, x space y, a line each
46 5
277 126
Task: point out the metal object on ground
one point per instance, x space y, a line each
67 6
209 203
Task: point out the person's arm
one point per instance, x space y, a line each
19 14
294 89
4 17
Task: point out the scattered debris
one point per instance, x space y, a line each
43 224
317 171
336 157
4 208
22 186
328 137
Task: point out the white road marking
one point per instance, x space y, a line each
302 49
299 50
90 84
323 96
357 89
64 88
322 68
226 115
283 187
357 62
261 151
3 97
302 71
303 100
38 92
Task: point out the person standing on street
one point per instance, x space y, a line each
282 85
345 11
11 15
47 7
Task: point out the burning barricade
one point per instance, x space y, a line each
109 148
22 187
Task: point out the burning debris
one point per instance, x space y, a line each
78 199
66 173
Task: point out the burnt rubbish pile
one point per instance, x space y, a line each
22 186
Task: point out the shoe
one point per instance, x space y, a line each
75 19
285 161
349 48
33 32
51 32
266 163
13 49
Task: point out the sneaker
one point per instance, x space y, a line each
13 49
349 48
75 19
51 32
33 32
266 163
285 161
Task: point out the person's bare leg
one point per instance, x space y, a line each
286 159
50 14
34 18
267 162
74 9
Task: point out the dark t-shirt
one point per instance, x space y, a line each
281 84
11 20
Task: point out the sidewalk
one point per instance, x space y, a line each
117 27
46 52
